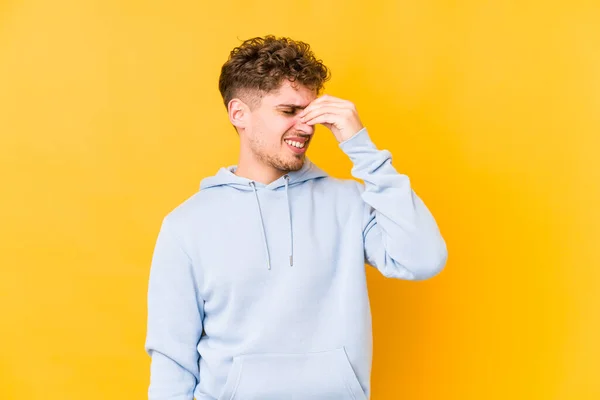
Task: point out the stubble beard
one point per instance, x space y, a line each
293 162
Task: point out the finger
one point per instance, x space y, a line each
325 97
328 109
330 99
327 118
327 100
312 110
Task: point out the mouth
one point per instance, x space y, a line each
297 145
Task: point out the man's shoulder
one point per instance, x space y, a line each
189 209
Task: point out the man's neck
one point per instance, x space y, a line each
258 172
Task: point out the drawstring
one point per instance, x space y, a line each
287 181
262 224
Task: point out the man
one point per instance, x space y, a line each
258 286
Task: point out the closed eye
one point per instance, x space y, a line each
289 109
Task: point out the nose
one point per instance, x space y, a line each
303 127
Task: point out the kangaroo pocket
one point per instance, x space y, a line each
308 376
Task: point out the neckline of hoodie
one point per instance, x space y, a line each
278 183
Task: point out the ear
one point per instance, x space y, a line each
239 113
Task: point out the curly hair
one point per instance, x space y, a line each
259 66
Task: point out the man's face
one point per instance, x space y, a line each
275 135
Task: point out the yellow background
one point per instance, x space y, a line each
110 116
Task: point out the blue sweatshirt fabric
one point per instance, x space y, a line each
259 291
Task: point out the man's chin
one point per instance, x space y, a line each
297 164
291 166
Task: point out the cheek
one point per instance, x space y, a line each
276 129
272 129
288 125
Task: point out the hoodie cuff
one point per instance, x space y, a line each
359 140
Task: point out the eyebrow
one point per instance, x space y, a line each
292 106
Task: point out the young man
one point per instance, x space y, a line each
257 286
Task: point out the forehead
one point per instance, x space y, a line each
289 93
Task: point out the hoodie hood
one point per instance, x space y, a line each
226 177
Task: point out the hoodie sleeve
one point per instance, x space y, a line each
174 321
401 237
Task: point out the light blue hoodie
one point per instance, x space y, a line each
259 291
